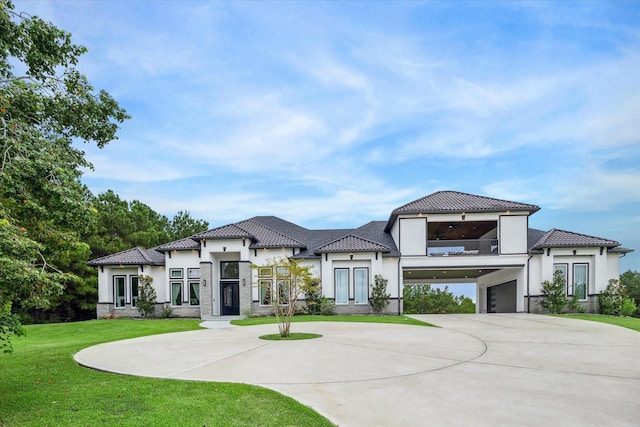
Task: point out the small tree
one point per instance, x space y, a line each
291 280
147 299
313 297
614 301
379 296
555 293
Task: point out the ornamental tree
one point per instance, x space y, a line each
282 281
44 207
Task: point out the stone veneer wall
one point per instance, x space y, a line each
351 308
107 309
590 305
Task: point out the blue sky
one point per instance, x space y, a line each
331 114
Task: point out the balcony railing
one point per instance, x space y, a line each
462 247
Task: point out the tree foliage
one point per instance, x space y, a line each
614 300
630 281
379 297
289 280
44 208
423 299
121 225
147 298
554 295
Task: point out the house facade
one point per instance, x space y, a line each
447 237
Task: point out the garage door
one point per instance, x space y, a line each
502 298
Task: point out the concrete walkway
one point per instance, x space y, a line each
496 369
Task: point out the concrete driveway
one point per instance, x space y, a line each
491 369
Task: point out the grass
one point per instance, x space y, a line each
397 320
41 385
293 336
625 322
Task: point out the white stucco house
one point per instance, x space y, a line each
446 237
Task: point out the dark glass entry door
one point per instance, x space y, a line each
230 298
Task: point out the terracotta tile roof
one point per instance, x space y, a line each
560 238
133 256
352 243
179 245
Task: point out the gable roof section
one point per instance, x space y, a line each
555 238
230 231
352 243
133 256
455 201
266 237
179 245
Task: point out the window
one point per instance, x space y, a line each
342 285
580 280
361 281
265 272
283 291
119 290
194 293
193 273
176 293
265 292
283 271
134 291
175 273
564 268
229 270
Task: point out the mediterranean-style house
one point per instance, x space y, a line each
445 238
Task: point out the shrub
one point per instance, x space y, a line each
379 296
612 298
147 299
327 307
554 293
628 307
313 297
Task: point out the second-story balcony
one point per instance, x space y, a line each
462 247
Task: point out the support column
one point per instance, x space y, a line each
206 290
245 287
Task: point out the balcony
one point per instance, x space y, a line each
462 247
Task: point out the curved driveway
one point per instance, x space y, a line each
492 369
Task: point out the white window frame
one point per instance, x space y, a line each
265 292
358 296
123 297
564 267
193 273
335 277
586 275
176 273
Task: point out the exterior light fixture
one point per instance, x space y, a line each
463 215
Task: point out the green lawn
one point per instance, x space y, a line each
41 385
398 320
625 322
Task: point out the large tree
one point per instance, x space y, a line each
44 108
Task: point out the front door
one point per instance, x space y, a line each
230 298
